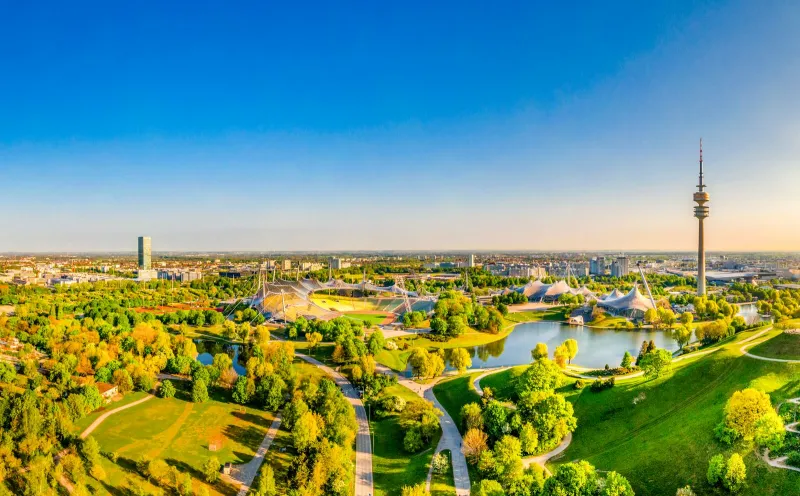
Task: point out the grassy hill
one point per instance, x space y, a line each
659 433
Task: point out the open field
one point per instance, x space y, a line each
553 313
371 318
180 432
343 303
86 421
664 439
785 346
393 466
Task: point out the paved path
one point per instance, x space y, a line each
451 438
364 476
545 457
780 462
99 420
245 473
748 343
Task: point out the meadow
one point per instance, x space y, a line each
183 434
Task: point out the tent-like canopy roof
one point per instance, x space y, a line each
634 300
613 295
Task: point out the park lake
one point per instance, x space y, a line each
596 347
206 349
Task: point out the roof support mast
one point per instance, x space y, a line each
646 286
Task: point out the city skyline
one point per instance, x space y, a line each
206 135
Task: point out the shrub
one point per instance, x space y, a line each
725 434
390 345
735 473
603 384
440 463
794 459
685 491
716 469
580 384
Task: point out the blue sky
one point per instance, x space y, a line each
463 125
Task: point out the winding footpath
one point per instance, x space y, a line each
542 459
364 475
780 462
245 473
99 420
450 440
747 343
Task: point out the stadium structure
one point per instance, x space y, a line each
287 300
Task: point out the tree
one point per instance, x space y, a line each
735 473
418 490
656 363
744 409
307 429
376 342
507 459
412 441
199 392
685 491
123 381
495 418
266 482
471 416
542 375
716 469
474 443
627 360
313 339
166 390
616 485
488 487
572 348
528 438
7 372
561 355
550 414
158 470
438 326
539 351
682 335
439 463
211 469
769 432
460 359
243 390
90 450
686 319
576 478
651 316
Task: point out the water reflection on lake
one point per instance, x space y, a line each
596 347
206 349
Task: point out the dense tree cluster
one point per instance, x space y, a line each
454 312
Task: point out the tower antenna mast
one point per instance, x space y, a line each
701 197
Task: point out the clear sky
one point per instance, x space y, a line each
398 125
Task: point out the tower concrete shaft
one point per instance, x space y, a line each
701 212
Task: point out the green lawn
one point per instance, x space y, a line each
608 321
86 421
180 432
555 313
443 484
659 433
455 393
370 319
393 467
502 383
785 346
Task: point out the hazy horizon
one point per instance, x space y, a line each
446 127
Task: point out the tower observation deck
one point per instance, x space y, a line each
701 212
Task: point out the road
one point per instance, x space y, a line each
364 476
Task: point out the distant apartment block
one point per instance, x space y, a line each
180 275
619 267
